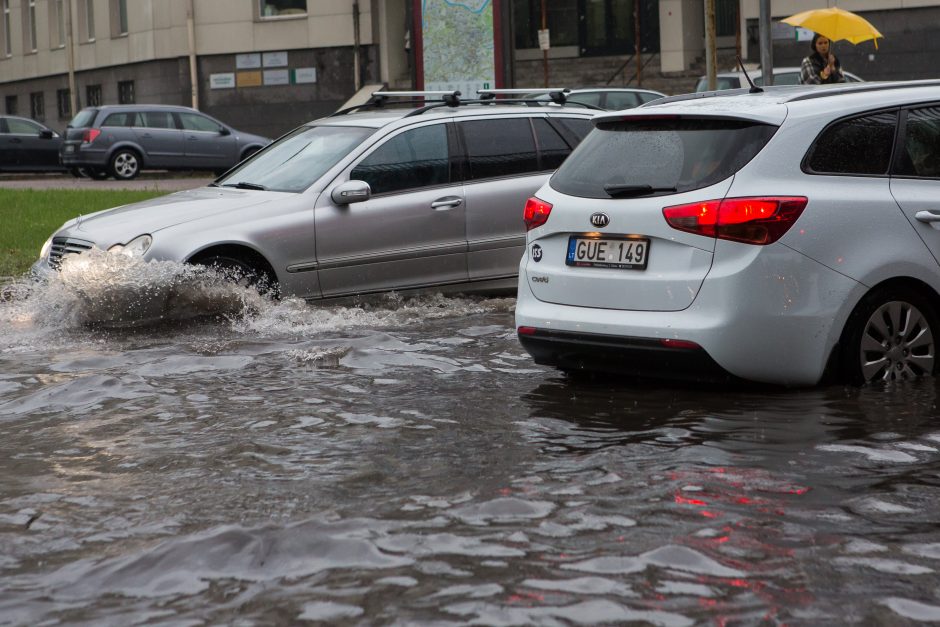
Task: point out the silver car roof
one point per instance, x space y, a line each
771 104
379 118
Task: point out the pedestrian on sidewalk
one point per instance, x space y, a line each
821 67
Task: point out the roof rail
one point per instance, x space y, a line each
854 88
381 98
558 95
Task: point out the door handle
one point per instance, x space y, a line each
147 136
928 215
448 202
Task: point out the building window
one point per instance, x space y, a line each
11 105
87 17
126 92
57 23
93 95
63 98
280 8
7 44
31 26
37 106
118 18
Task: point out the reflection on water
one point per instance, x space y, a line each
186 452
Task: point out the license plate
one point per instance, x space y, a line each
70 149
620 253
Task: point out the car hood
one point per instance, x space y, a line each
153 215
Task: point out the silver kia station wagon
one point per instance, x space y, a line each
780 236
373 199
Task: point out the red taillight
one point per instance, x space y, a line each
90 135
757 220
680 344
526 330
536 213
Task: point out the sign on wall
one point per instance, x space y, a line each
248 61
457 45
305 75
276 77
248 79
275 59
224 80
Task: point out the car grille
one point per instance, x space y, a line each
62 246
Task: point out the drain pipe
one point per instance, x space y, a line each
193 74
356 77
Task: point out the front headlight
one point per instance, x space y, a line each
137 247
44 251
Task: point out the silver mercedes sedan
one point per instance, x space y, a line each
363 201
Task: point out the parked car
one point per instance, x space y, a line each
782 76
366 201
780 237
609 98
28 146
122 140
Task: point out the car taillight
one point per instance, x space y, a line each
536 213
757 220
90 135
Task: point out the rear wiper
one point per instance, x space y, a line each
246 185
618 191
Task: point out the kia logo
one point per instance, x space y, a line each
600 219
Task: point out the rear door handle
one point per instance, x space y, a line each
928 216
448 202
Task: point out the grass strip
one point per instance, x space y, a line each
29 216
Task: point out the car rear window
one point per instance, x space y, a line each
669 155
83 118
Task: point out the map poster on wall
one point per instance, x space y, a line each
457 45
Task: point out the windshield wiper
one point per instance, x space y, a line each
246 185
619 190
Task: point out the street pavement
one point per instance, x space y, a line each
157 181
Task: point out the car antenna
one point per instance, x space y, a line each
754 88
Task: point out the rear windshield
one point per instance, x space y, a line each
665 155
83 118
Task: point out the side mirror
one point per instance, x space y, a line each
224 131
46 134
350 192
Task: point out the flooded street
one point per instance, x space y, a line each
178 452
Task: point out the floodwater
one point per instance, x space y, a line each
176 451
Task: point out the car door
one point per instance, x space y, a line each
157 134
29 149
504 168
6 146
410 233
915 175
206 143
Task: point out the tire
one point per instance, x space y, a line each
248 152
96 173
243 273
125 164
77 172
892 335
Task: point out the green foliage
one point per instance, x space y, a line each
29 216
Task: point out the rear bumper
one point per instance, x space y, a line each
83 158
640 357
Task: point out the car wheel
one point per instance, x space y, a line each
125 165
98 174
890 336
77 172
242 273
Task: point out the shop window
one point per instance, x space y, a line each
63 99
126 92
93 95
37 106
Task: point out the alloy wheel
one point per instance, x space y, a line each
126 165
897 343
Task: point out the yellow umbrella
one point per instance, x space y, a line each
836 24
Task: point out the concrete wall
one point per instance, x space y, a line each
681 33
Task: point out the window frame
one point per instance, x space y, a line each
899 142
57 24
6 16
454 175
465 153
86 20
123 92
31 123
31 39
261 17
93 89
37 112
64 103
804 164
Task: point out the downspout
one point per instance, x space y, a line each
356 70
193 74
70 57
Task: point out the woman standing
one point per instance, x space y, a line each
821 66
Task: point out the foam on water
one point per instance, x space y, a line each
102 290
